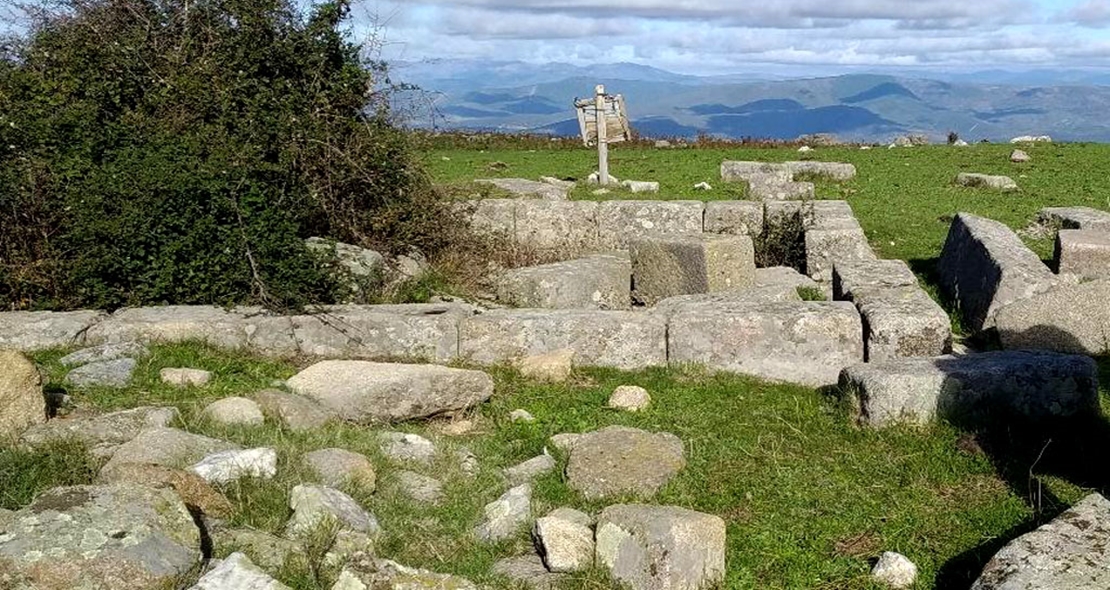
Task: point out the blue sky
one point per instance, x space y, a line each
766 36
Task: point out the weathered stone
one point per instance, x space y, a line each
114 537
368 392
1068 318
618 339
365 572
553 366
733 171
101 435
1032 139
184 377
894 571
826 247
667 266
753 295
641 186
521 415
1031 384
295 412
1069 552
741 218
998 183
113 373
784 276
767 188
227 466
1075 218
855 280
314 506
504 517
529 470
30 331
903 322
347 545
838 171
984 266
360 263
264 549
529 189
661 547
194 490
421 488
403 447
565 545
569 228
616 461
468 462
234 411
104 352
1019 157
420 331
174 323
598 282
339 467
621 221
167 446
236 572
22 403
530 572
491 217
797 342
630 398
565 441
1085 253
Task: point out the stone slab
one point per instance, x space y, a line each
1068 318
620 221
856 279
598 282
661 547
412 332
741 218
668 266
29 331
1083 252
567 228
826 247
1075 218
904 322
987 181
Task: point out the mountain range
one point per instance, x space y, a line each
994 105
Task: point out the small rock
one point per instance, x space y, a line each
639 186
553 366
410 267
529 571
805 149
228 466
114 373
312 505
572 515
506 515
401 447
181 377
295 412
193 490
601 192
236 572
565 545
654 547
104 352
103 434
166 446
468 462
347 544
703 186
895 571
22 403
530 469
565 441
519 415
629 398
1019 156
595 178
959 143
421 488
234 411
662 144
339 467
365 572
267 551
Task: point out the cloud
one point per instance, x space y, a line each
1091 13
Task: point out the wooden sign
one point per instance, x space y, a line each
612 112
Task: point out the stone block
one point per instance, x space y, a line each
837 171
733 171
619 339
29 331
1075 218
1031 384
661 547
856 279
492 217
667 266
527 189
742 218
620 221
176 323
797 342
984 266
783 276
903 322
598 282
1085 253
1068 318
567 228
826 247
761 189
416 331
987 181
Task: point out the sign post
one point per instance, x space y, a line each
603 120
602 144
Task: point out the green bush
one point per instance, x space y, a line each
165 151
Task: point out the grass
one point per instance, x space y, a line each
809 499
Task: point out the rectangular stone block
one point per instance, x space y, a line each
739 218
903 322
619 339
620 221
599 282
984 266
1083 252
1067 318
568 228
855 279
527 189
838 171
176 323
495 217
783 276
666 266
28 331
734 171
967 388
764 190
382 332
796 342
1075 218
825 247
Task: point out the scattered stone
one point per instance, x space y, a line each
620 221
657 547
190 487
894 570
960 143
264 549
999 183
529 189
360 264
118 537
421 488
1075 218
617 460
732 171
367 392
668 266
902 142
1069 552
595 178
1018 157
468 462
639 186
630 398
703 186
227 466
236 572
234 411
552 366
295 412
529 571
662 144
339 467
315 505
347 545
805 149
101 435
1032 139
860 279
167 446
519 415
185 377
1083 252
104 352
1069 318
365 572
565 544
597 282
601 192
1031 384
114 373
529 470
506 515
403 447
22 403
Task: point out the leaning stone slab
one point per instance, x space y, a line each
112 537
1069 552
167 446
619 339
102 435
998 183
419 331
904 322
528 189
29 331
617 461
1030 384
566 545
22 403
740 218
1069 318
796 342
566 228
597 282
1083 252
367 392
621 221
668 266
661 547
1075 218
984 266
237 572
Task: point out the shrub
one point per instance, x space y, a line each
782 242
162 151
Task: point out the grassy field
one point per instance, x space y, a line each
809 499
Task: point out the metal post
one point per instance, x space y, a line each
602 144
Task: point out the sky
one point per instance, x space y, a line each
707 37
